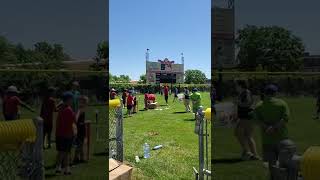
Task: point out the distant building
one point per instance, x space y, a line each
164 71
311 63
223 38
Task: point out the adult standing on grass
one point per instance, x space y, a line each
187 99
196 101
48 107
166 93
272 115
175 94
11 104
244 128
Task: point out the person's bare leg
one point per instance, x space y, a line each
67 163
251 142
59 161
239 133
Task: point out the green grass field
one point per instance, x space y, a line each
172 128
303 130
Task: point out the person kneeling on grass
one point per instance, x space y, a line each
11 104
65 131
272 115
81 130
196 101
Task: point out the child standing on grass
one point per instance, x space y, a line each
166 94
11 104
81 130
196 101
187 99
129 104
65 131
47 109
124 97
318 105
175 92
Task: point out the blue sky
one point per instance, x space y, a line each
79 25
166 27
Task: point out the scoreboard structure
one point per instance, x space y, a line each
164 71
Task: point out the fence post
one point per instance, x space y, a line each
119 133
37 156
32 155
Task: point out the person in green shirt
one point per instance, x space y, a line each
76 96
196 100
272 115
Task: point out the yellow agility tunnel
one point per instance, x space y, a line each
14 133
114 103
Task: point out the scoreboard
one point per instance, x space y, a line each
164 71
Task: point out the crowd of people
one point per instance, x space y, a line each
130 99
70 130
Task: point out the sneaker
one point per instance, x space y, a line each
58 170
255 158
246 156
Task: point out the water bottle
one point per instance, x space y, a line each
146 150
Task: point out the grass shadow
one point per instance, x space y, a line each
226 161
162 105
101 154
182 112
50 167
189 120
50 176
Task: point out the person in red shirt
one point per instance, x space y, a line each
124 97
65 131
47 109
11 104
130 103
146 101
166 94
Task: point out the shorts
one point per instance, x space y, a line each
129 107
243 113
64 144
11 117
270 152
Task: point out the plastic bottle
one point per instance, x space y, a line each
146 150
157 147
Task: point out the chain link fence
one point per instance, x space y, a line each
21 150
115 130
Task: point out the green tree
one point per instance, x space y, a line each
7 51
273 48
143 79
102 53
195 77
